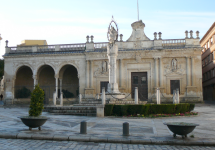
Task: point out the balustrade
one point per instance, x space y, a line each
101 45
173 42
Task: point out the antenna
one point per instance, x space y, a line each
137 10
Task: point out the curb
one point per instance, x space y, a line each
126 140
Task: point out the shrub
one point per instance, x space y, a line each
125 110
108 109
36 105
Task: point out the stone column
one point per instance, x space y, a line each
188 70
120 72
103 96
112 52
158 96
35 80
192 71
87 74
56 84
91 73
156 72
160 72
61 82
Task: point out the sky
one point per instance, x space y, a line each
70 21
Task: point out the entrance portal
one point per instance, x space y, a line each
139 79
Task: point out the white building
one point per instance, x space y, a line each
83 68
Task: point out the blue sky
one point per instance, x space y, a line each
70 21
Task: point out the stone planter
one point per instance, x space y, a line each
181 128
33 122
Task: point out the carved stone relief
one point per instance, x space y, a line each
173 67
102 69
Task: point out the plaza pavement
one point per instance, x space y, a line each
109 129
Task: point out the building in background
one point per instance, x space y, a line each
33 42
208 63
168 64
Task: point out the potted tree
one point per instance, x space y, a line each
34 120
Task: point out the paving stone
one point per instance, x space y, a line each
79 138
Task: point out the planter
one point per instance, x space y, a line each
181 128
33 122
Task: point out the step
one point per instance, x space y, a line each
72 111
76 114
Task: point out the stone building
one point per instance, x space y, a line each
208 66
167 64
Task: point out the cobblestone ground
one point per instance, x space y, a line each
17 144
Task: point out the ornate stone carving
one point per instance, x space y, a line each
173 68
102 70
137 44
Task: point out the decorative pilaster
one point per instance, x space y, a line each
192 71
156 72
87 74
188 71
91 73
120 72
160 72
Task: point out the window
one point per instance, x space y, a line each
212 40
208 44
143 80
203 63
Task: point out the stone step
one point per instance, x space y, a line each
76 114
88 104
72 111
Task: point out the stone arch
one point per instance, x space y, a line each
43 64
21 65
69 81
46 79
24 82
66 63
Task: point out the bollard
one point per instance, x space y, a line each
158 96
103 96
136 95
125 129
80 98
83 127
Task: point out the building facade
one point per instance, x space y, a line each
208 66
83 68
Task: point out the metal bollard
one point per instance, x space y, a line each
83 127
125 129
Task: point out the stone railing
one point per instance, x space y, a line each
80 46
102 45
47 48
173 42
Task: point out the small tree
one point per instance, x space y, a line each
36 105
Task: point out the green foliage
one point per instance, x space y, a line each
192 106
36 105
125 110
23 93
108 110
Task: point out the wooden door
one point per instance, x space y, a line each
139 79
